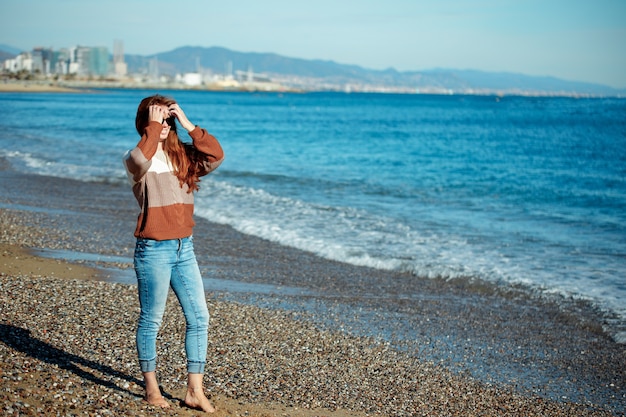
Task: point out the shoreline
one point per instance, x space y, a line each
35 87
46 86
514 354
77 356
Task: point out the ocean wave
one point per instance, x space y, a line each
344 234
358 237
26 162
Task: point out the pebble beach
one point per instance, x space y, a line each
67 328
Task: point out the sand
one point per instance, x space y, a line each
34 87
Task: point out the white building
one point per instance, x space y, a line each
22 62
192 79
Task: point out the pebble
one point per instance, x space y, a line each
71 356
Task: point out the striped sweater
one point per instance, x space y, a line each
166 207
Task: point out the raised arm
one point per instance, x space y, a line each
212 153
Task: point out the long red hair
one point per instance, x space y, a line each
184 157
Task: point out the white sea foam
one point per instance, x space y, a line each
342 233
30 163
357 237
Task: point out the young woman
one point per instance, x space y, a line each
165 172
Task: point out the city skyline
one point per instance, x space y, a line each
573 40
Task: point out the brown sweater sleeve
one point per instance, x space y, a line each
211 149
139 159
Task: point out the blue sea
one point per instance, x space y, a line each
519 191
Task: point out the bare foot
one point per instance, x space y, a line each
153 391
155 398
195 398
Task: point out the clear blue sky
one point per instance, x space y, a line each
582 40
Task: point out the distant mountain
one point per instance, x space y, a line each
330 75
8 52
5 55
221 60
301 72
9 49
510 81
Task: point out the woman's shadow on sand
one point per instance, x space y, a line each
21 340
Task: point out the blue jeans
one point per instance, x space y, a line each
160 264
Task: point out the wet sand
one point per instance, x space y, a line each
290 334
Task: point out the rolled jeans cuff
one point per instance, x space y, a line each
147 366
195 367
